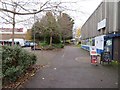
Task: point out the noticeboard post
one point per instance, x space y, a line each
93 54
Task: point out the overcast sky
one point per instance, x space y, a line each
79 10
84 8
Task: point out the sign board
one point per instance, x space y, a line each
99 42
101 24
93 50
11 29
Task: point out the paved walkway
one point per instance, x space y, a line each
71 68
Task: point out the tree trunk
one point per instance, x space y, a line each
63 40
60 38
51 40
13 28
44 39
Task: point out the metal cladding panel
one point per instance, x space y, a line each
92 26
108 11
111 17
88 28
95 24
97 20
106 16
103 11
116 50
84 31
118 16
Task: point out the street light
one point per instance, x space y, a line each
34 10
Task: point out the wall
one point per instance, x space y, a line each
116 49
106 10
9 36
119 16
111 12
119 31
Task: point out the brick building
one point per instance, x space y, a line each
6 33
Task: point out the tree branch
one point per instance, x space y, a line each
26 13
6 10
7 15
22 7
6 20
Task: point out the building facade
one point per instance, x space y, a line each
6 33
104 22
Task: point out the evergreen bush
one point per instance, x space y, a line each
15 61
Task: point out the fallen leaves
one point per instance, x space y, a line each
54 68
43 78
32 75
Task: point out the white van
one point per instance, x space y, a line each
21 41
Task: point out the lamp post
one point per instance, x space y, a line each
34 10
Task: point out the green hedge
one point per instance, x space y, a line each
43 44
58 45
15 61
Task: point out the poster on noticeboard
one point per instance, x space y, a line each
93 50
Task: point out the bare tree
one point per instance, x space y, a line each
20 8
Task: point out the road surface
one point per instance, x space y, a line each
71 68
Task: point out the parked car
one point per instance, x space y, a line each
33 44
27 43
8 43
21 41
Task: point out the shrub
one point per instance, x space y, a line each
15 61
43 44
58 45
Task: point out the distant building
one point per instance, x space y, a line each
6 33
104 22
